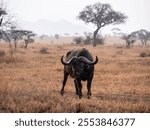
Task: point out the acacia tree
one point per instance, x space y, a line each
143 35
101 15
129 38
16 35
28 39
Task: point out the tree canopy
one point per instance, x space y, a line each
101 15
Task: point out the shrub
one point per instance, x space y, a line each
78 40
44 50
2 53
143 54
89 40
99 41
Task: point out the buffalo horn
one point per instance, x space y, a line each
69 61
84 59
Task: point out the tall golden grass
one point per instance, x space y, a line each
31 82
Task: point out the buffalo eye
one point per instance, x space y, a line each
87 66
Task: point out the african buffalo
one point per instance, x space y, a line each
79 65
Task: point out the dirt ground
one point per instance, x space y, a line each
30 81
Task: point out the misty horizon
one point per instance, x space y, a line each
31 12
49 27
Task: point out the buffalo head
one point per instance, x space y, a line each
78 64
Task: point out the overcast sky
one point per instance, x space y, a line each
33 10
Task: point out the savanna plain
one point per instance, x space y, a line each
30 81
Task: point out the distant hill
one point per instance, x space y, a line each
49 27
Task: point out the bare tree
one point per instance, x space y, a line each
101 15
2 11
7 22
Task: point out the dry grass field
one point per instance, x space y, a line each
31 81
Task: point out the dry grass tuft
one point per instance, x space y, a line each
144 54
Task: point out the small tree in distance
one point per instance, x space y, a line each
78 40
101 15
143 35
89 39
129 38
28 39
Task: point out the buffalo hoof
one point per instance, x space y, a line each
80 97
89 97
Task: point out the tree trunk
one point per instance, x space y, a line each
15 42
95 36
26 44
128 43
145 42
1 20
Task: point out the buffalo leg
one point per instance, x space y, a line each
64 82
89 87
76 86
79 89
